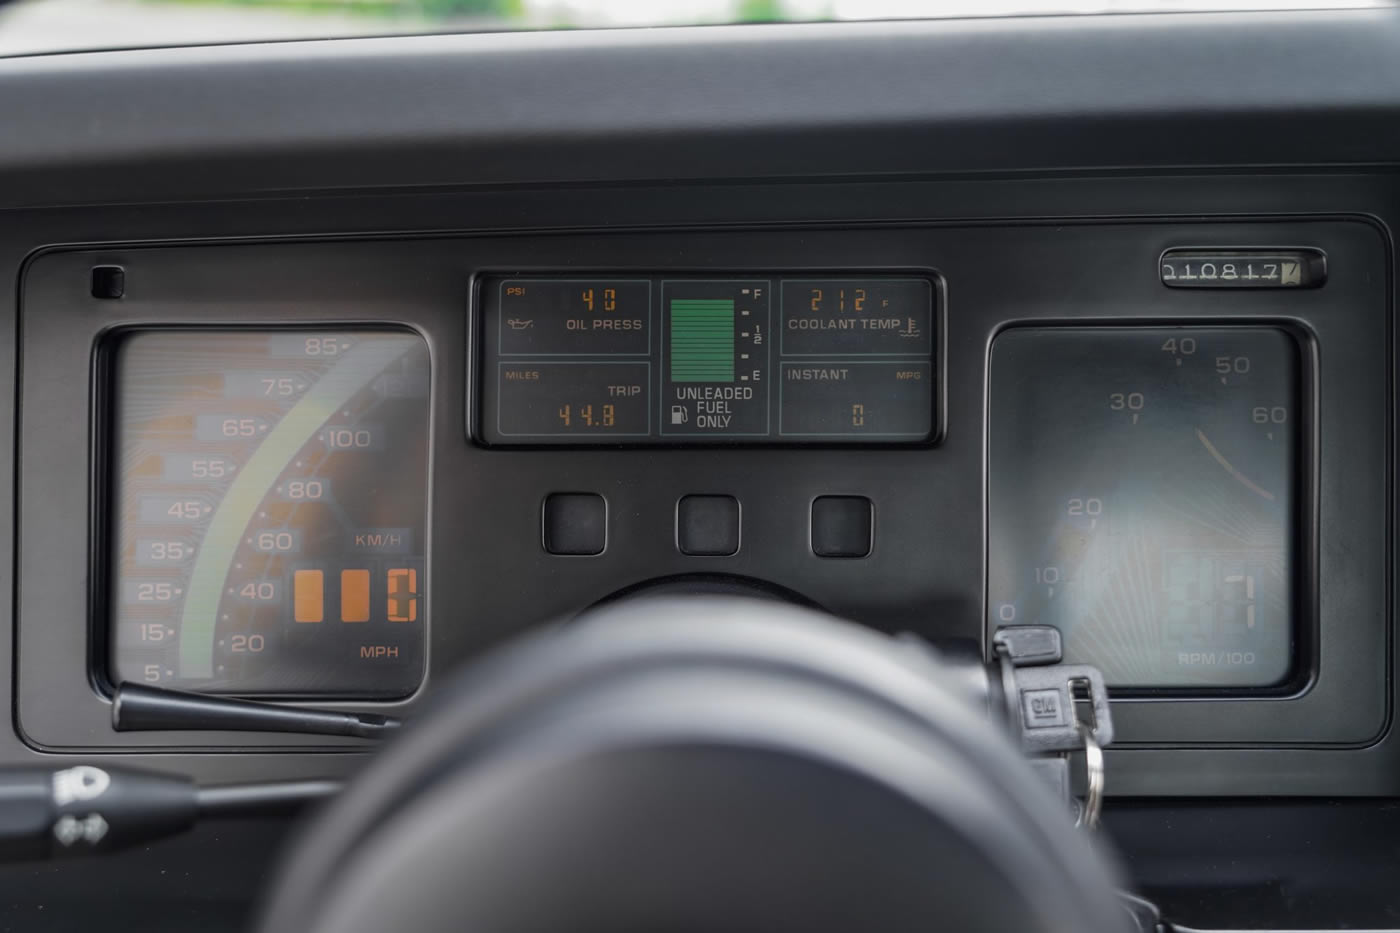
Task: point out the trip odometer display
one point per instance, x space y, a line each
270 511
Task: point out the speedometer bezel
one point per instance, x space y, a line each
104 481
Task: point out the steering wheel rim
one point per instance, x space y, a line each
655 655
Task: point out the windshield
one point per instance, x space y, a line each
41 26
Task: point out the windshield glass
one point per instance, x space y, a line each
41 26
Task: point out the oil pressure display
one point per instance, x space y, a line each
1143 498
270 510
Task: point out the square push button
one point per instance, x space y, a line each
707 526
841 526
575 523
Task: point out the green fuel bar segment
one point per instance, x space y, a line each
702 339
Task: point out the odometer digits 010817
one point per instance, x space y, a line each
270 511
1143 498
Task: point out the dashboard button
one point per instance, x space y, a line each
707 526
842 526
575 524
108 282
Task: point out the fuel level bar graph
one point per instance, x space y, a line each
702 339
714 379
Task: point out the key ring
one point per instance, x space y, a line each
1094 773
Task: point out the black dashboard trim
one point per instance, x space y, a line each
797 206
546 250
854 100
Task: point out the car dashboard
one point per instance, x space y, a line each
338 364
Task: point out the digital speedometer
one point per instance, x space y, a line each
270 511
1143 498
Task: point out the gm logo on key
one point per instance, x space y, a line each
1043 708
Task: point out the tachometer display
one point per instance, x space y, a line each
1142 498
270 511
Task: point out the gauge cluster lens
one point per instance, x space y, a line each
270 511
1143 499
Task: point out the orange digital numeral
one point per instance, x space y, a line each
403 594
308 596
354 596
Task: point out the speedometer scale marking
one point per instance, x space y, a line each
342 382
252 465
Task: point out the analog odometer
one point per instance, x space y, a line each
1143 498
270 511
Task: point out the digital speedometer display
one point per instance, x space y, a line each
270 511
1143 498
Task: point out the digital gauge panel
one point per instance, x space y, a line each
1143 499
270 511
698 360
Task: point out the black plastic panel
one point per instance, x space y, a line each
924 572
1235 864
754 102
515 219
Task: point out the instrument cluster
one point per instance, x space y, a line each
333 473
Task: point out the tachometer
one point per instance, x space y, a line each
1142 498
270 511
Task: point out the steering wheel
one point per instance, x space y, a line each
698 764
